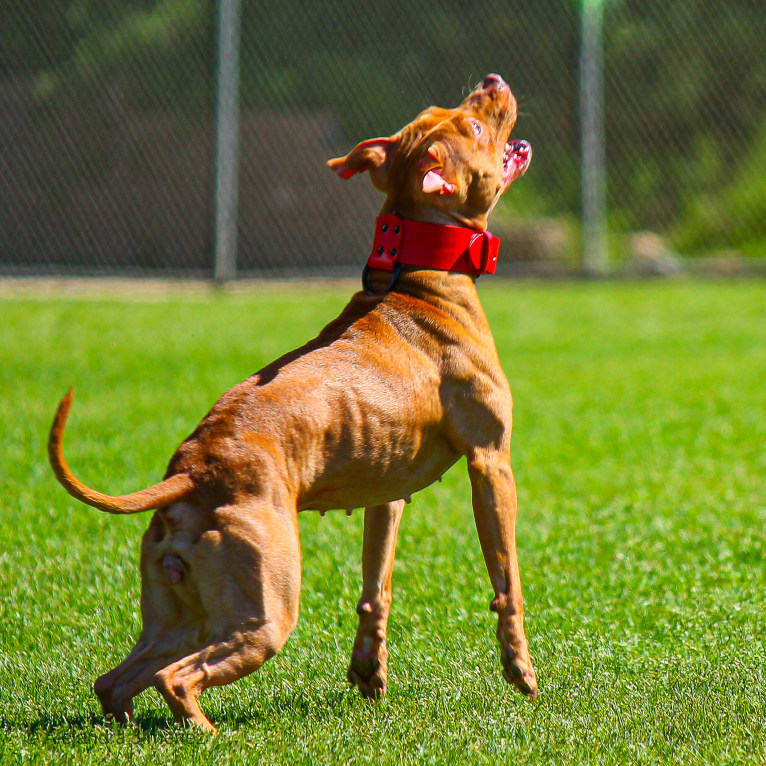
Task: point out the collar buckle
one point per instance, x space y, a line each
482 251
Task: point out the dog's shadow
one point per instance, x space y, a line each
299 705
292 704
54 725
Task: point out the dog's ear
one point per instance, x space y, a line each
369 155
434 181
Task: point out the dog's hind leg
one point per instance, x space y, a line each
247 572
369 658
494 507
182 682
169 632
135 673
112 688
165 638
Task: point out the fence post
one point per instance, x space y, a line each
227 141
592 138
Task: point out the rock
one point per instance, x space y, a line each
536 247
649 255
723 263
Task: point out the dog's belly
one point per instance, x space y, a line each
382 477
362 435
372 447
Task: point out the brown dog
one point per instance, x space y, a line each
379 405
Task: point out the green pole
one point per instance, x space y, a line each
593 153
227 141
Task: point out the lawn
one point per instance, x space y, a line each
640 455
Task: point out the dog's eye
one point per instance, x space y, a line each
476 127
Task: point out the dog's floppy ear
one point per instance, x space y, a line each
434 181
369 155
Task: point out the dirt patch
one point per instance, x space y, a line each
158 289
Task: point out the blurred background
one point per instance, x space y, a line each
122 152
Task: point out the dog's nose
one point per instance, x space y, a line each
493 81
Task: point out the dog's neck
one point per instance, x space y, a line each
450 292
431 214
430 276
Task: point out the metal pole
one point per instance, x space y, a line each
227 141
592 137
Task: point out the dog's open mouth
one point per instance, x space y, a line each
516 158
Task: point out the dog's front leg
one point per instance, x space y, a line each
369 659
494 507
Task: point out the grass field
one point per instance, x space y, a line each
640 455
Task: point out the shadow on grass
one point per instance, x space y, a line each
279 706
303 705
55 724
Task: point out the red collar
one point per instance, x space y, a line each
401 241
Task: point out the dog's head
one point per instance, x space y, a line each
447 162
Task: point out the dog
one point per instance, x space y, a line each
385 399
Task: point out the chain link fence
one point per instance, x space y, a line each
108 118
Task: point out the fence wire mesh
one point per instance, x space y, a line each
107 118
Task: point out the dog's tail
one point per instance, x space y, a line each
168 491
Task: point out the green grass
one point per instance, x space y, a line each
639 449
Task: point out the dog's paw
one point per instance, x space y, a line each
369 671
114 705
120 711
519 673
